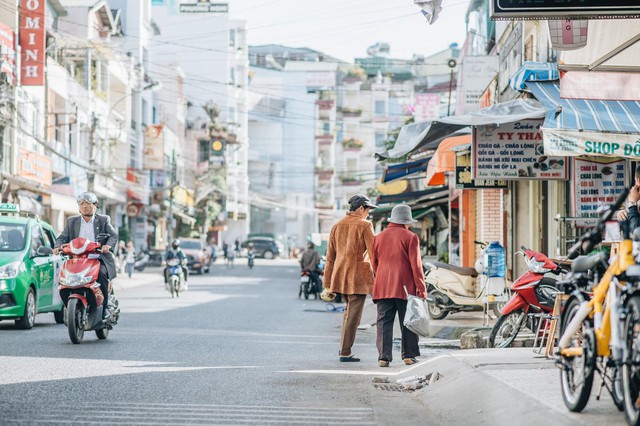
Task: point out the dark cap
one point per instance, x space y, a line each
360 200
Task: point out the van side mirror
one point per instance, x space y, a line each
44 251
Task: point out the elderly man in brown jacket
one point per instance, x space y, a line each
348 269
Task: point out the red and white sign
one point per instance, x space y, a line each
8 53
568 34
32 42
596 182
35 167
427 107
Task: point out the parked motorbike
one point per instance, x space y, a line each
533 292
453 289
176 277
81 293
141 261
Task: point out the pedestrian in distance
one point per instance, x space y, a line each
225 250
398 271
130 258
348 269
231 256
121 254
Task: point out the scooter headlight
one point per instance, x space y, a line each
74 280
537 267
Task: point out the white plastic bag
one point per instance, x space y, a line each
416 318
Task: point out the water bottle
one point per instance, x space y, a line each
496 261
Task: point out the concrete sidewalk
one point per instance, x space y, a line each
503 387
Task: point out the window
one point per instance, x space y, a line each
326 128
203 151
37 240
11 237
232 37
380 139
50 240
380 108
144 113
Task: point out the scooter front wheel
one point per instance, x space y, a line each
506 329
74 320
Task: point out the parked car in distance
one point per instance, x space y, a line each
198 254
28 268
265 247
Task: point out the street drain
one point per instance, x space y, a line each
406 384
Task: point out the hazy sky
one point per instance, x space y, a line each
345 28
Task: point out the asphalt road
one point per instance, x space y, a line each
238 348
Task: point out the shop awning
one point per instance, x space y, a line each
397 171
429 134
612 45
581 126
444 159
414 196
533 71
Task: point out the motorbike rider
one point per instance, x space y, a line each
175 252
309 262
251 252
89 225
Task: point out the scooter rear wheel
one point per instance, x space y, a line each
435 311
103 333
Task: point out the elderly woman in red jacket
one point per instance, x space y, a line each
396 262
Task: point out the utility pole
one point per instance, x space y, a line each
92 153
452 64
172 183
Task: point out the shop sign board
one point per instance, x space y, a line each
601 85
8 53
427 107
34 167
567 9
576 143
477 72
204 7
154 147
465 180
596 182
32 42
514 151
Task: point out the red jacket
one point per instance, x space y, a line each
396 263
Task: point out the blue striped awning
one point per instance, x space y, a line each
397 171
584 114
587 127
534 71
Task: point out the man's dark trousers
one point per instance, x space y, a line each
103 279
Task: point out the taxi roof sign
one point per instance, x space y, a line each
9 208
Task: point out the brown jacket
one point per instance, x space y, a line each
396 262
347 270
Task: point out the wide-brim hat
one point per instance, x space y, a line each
401 214
361 200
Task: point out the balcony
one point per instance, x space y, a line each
324 172
352 144
324 139
350 180
351 112
325 104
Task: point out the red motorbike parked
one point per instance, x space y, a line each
80 291
532 293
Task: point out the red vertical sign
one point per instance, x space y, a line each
32 41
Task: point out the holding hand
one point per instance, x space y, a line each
634 194
105 248
621 216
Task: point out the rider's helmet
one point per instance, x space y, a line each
89 197
327 295
310 245
250 245
175 244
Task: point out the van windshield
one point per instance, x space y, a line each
191 245
12 237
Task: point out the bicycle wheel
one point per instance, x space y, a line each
631 366
576 375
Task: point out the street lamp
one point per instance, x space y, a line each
452 64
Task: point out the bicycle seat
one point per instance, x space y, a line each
585 263
471 272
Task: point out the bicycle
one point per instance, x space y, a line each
590 328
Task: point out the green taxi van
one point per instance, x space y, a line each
28 268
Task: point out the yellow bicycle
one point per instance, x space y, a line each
590 328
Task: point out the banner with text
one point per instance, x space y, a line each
427 107
575 143
596 182
514 151
32 42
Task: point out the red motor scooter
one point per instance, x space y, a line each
80 291
532 293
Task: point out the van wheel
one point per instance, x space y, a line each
268 254
29 318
